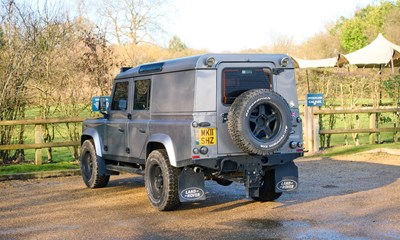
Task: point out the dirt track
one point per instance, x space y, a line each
350 197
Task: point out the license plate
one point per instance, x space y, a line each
207 136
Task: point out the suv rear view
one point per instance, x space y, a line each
221 117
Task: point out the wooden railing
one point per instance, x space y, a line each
39 144
312 129
310 125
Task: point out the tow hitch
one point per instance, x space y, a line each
253 176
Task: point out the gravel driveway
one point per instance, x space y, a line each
347 197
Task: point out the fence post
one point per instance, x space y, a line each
396 124
316 132
308 123
372 124
356 135
38 139
305 128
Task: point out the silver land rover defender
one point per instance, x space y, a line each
221 117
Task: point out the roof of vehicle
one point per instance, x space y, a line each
200 62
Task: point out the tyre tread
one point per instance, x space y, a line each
267 190
98 181
236 120
171 201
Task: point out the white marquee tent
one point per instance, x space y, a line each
319 63
379 53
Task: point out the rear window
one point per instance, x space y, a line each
141 99
235 81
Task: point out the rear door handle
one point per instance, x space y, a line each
142 130
121 130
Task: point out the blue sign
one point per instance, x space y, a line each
96 102
315 99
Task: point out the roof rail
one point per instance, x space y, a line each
124 69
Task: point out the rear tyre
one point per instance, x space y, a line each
90 166
161 180
267 189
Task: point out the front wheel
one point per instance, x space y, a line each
90 166
161 180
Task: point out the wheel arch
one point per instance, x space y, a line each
162 141
91 133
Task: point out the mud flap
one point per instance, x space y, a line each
286 177
191 186
101 166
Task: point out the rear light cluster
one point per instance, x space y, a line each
203 150
295 144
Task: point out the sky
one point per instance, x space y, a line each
233 25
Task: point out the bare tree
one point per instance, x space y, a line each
133 21
16 57
49 61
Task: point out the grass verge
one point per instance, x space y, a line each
28 168
351 149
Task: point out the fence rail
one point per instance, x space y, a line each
41 121
354 111
312 129
39 145
361 130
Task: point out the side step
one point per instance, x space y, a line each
116 168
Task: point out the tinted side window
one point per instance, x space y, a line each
120 97
235 81
142 95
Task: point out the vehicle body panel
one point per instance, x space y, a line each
185 115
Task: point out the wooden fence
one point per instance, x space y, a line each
312 129
310 126
39 144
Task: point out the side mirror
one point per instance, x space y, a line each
101 104
104 103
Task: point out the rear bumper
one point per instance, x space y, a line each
239 163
